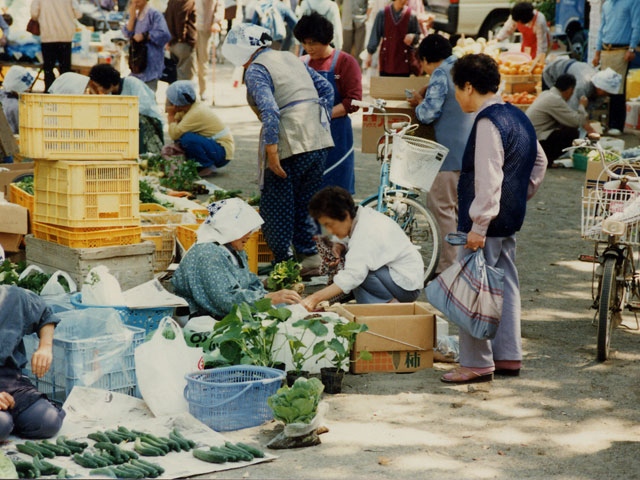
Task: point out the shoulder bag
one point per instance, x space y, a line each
137 54
33 27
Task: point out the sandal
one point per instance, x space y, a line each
508 368
464 375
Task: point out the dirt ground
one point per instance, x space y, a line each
566 417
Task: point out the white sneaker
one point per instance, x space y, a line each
614 132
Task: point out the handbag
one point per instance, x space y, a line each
415 67
161 366
137 56
470 293
33 27
170 71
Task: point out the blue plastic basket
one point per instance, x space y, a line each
145 318
232 398
71 357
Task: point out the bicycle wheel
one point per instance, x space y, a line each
609 306
419 225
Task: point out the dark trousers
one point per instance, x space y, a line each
55 53
617 111
559 139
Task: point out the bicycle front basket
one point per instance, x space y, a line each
416 161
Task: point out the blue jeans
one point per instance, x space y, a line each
205 151
379 287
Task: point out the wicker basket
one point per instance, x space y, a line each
415 162
232 398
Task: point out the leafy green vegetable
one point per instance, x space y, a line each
221 194
26 184
7 468
284 275
298 403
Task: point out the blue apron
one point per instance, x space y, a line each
339 167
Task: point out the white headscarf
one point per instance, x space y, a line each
607 80
17 79
243 40
69 83
228 220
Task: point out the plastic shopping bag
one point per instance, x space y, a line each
101 288
469 293
161 366
54 287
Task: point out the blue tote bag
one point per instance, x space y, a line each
469 293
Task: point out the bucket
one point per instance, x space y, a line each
580 161
633 83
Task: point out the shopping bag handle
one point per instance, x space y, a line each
458 238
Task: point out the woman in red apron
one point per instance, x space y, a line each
533 27
315 32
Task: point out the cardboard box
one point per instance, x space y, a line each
13 226
401 336
373 125
12 172
392 88
593 175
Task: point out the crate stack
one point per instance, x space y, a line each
86 191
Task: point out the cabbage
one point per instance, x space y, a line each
297 404
7 468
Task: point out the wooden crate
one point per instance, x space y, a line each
130 264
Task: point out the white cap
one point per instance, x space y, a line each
243 40
18 79
607 80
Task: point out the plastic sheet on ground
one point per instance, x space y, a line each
89 410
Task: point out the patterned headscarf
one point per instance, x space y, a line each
18 79
243 40
607 80
228 220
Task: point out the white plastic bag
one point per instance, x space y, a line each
161 366
53 287
101 288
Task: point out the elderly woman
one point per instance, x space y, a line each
502 167
315 32
196 128
381 265
104 79
214 274
146 24
16 81
24 411
293 103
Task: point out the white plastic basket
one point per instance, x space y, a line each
600 204
416 161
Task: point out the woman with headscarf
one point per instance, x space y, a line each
70 83
293 102
17 80
146 24
104 79
315 32
197 130
214 275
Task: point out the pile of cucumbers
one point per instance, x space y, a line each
229 452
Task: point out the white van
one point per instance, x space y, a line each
469 17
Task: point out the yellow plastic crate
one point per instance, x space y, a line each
87 237
265 255
78 127
156 214
201 214
20 197
164 238
87 194
187 235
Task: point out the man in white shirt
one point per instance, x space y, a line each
555 122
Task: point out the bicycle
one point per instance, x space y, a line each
611 218
406 171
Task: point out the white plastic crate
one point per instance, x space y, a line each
78 127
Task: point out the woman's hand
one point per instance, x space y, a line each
6 401
338 250
138 37
415 99
474 241
41 361
408 38
284 296
273 161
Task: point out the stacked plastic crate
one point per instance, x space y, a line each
86 191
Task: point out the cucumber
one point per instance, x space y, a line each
173 444
256 452
131 454
74 447
177 433
125 432
123 472
244 455
208 456
232 456
184 444
98 459
158 468
84 461
26 449
62 473
98 436
155 441
44 451
147 470
103 471
147 449
142 472
57 449
115 437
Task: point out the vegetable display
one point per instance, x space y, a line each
298 403
285 274
34 281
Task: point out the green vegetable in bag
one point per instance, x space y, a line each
298 403
7 468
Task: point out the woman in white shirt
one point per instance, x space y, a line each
381 264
